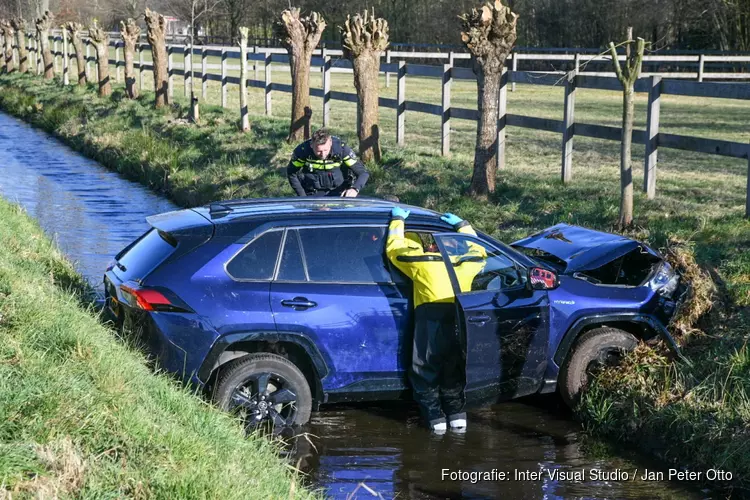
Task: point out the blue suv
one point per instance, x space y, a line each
276 306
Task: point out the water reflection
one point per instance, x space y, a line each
90 211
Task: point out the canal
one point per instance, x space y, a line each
377 450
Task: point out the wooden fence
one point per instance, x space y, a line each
654 85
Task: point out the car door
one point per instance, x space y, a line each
333 285
504 322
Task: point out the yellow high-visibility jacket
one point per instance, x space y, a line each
427 269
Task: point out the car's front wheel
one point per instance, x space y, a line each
264 388
595 349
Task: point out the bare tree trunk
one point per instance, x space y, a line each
100 39
156 37
19 24
485 153
43 24
75 37
627 76
130 33
2 46
245 119
364 39
300 36
489 33
10 66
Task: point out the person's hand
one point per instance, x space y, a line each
400 212
451 219
350 193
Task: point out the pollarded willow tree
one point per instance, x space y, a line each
364 38
156 32
75 37
130 33
300 35
43 25
489 33
627 76
19 24
100 40
9 32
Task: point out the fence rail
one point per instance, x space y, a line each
654 85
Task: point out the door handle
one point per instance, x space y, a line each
298 303
482 318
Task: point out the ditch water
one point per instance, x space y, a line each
362 451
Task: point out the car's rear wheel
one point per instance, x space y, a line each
595 349
264 389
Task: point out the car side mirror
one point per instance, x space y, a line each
543 279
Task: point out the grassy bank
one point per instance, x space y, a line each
696 414
82 416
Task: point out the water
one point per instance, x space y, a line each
92 213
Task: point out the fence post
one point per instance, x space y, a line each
140 67
387 73
170 70
223 77
117 62
502 106
268 84
255 63
204 73
326 90
54 57
446 102
88 58
401 98
187 63
577 63
66 60
568 124
701 62
652 137
747 195
515 68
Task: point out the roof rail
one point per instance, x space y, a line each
229 205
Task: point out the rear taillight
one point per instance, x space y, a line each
150 299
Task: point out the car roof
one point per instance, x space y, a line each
230 210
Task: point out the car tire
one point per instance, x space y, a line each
599 347
237 382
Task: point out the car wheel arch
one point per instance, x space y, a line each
292 347
641 326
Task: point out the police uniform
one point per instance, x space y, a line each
437 371
311 176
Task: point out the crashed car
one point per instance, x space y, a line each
277 306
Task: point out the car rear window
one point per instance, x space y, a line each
257 261
345 254
142 256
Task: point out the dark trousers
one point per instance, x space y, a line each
437 370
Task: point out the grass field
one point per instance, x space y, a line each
695 413
81 415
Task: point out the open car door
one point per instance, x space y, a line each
504 320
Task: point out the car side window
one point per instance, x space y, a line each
345 254
292 268
479 266
257 261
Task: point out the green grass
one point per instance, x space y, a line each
700 200
81 415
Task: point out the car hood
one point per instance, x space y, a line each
581 249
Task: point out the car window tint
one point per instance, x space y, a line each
143 256
291 268
348 254
479 266
257 260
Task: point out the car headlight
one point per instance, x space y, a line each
665 281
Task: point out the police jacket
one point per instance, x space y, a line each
308 174
427 270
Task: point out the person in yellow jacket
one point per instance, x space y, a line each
437 370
